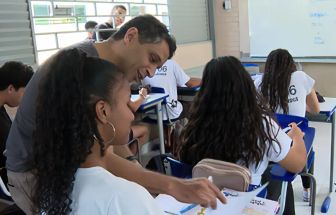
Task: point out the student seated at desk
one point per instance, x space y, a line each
228 121
82 112
288 91
170 76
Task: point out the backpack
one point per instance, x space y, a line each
224 174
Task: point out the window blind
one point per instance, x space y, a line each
189 20
16 41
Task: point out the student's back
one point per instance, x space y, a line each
228 121
287 90
299 87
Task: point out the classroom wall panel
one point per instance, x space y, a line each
227 29
323 73
193 55
15 32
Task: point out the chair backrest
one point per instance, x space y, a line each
285 119
177 168
157 90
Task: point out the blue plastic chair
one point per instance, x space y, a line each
177 168
280 173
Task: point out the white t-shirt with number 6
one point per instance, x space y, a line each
300 86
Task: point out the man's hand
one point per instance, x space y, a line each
198 190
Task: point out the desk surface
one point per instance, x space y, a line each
152 99
329 106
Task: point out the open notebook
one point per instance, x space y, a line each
238 203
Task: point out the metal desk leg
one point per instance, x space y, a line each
283 197
331 182
312 191
160 127
326 203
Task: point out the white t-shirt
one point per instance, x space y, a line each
300 86
274 154
169 76
97 191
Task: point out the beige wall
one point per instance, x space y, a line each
193 55
232 38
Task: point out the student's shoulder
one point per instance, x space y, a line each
299 73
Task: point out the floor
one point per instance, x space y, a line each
322 169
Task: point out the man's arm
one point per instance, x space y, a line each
193 82
199 191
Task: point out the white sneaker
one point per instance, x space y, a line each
306 195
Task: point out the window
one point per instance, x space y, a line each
59 23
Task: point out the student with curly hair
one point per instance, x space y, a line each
288 91
82 111
228 121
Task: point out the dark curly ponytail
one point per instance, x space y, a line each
66 123
275 83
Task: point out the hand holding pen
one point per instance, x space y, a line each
211 204
295 131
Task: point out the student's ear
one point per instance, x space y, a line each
102 111
11 88
131 35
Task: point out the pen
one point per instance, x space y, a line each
191 206
171 213
299 123
187 208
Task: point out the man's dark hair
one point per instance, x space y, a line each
90 25
15 73
150 29
119 6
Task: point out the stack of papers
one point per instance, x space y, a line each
239 203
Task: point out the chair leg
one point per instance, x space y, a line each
283 197
312 191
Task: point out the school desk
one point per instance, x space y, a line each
327 115
154 99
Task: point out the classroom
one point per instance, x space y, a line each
174 101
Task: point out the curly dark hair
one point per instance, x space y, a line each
227 117
66 126
276 79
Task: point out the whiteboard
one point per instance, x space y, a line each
306 28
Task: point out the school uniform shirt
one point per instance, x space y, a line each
97 191
169 76
275 153
300 86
